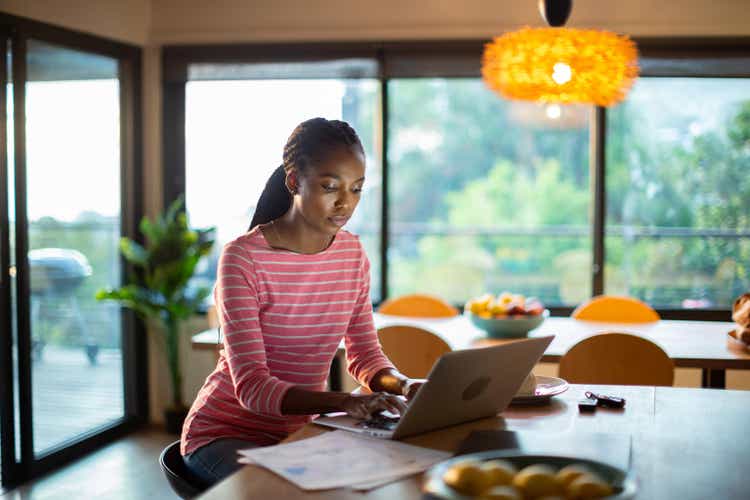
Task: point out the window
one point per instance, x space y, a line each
235 132
486 194
678 192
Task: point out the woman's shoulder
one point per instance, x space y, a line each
345 239
250 243
345 236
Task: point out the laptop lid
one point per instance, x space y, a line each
471 384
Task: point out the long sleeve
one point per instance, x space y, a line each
364 355
237 302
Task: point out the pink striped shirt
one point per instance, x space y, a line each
282 315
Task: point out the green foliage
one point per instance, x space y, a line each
158 285
513 201
162 268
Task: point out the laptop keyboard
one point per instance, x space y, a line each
380 421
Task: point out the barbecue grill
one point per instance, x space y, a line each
56 274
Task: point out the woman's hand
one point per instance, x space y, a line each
362 406
410 387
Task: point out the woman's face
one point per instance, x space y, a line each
328 192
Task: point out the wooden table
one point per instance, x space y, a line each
687 444
690 344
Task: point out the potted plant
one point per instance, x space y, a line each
156 288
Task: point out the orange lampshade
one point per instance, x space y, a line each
561 65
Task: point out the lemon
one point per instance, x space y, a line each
536 481
505 298
482 304
498 472
466 477
570 473
498 308
501 493
588 486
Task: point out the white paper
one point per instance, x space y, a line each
342 459
377 483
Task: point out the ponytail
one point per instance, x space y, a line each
274 201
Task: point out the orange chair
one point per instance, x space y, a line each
411 349
616 309
617 359
418 306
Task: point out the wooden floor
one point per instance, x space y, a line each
126 469
64 372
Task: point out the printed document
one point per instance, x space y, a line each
342 459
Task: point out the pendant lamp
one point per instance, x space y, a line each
561 65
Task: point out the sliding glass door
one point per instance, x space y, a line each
73 227
67 199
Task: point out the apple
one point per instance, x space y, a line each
534 308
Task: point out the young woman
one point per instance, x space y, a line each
287 292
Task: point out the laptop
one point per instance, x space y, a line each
462 386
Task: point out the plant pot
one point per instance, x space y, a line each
174 418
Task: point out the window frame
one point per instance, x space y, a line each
441 58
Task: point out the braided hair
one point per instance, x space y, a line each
310 143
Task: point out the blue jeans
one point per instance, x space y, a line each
216 460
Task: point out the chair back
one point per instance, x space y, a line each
616 309
617 359
183 482
411 349
418 306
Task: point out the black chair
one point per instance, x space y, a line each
184 483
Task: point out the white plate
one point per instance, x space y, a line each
546 387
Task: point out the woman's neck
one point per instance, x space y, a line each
291 232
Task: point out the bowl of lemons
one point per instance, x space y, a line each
512 475
506 315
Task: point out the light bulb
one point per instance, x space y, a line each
561 73
553 111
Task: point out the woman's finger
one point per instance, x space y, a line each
390 403
400 405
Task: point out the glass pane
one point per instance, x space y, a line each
486 194
73 206
12 283
678 192
8 150
235 133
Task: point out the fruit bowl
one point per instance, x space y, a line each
622 482
513 326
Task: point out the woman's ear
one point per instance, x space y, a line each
292 182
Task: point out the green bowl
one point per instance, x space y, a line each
507 328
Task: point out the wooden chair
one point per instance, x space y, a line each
617 359
616 309
418 306
412 349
